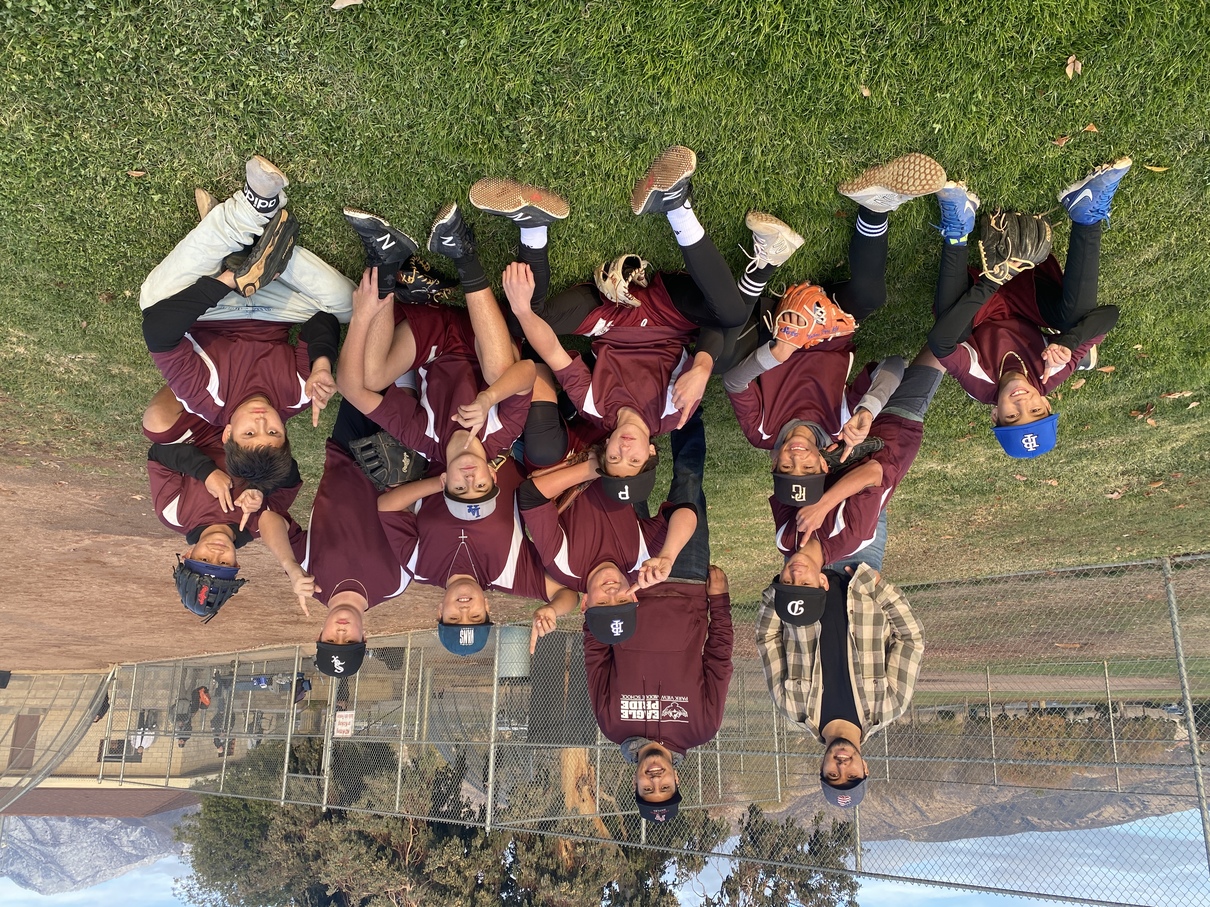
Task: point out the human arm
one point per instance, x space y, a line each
689 388
954 324
720 639
811 516
519 289
554 481
1097 323
274 532
562 601
518 378
403 497
762 359
905 649
883 381
183 458
366 306
658 568
166 322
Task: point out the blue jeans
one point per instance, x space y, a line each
688 467
871 554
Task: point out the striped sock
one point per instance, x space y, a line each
754 280
872 223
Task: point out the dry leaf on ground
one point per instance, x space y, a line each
341 4
1020 478
1106 369
1061 140
1152 423
1091 127
136 173
1154 169
1054 482
1193 404
1114 495
1156 484
865 92
1172 394
1078 383
1074 67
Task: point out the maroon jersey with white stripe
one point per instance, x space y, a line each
851 525
448 376
810 386
594 529
182 502
217 367
1008 328
656 312
434 544
345 548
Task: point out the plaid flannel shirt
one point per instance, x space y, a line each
886 644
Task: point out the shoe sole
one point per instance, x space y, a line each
768 225
1122 163
269 167
912 175
674 165
269 256
505 197
356 214
445 216
205 202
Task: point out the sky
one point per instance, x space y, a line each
151 884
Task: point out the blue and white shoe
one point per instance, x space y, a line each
958 207
1087 202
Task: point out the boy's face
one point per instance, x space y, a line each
803 570
654 777
1019 403
214 548
254 423
799 454
469 476
344 624
607 585
464 603
842 763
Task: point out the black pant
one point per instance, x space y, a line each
1061 305
351 424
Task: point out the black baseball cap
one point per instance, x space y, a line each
612 624
846 795
464 639
798 606
798 491
659 812
632 489
337 660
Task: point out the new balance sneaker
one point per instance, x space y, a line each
773 242
205 202
451 236
263 183
958 206
386 247
268 256
523 204
416 282
666 185
1087 202
887 186
1088 361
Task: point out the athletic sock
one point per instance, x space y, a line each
754 280
266 206
533 237
471 274
685 225
872 223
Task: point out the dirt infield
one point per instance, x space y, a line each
85 579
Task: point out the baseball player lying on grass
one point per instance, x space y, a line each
193 495
642 383
343 559
1015 333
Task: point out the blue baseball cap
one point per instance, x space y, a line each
464 639
1028 441
847 795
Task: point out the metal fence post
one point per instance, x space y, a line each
285 766
419 697
134 678
597 801
857 835
886 751
1187 697
1113 736
329 728
718 768
407 679
178 677
491 751
991 727
113 687
777 755
229 722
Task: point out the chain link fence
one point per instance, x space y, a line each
1050 749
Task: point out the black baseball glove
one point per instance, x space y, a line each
1012 243
860 452
386 462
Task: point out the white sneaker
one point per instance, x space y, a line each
887 186
773 242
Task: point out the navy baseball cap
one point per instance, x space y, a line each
659 812
1028 441
211 569
846 795
798 491
631 489
468 509
613 623
464 639
337 660
798 606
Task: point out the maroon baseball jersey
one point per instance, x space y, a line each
188 429
448 376
851 525
668 682
183 504
435 544
218 366
594 529
638 376
1008 329
655 313
810 386
344 547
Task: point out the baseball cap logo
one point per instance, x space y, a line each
466 636
473 509
795 607
338 665
616 627
660 815
843 800
1030 441
624 494
799 493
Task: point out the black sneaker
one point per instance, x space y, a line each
416 282
451 236
386 247
523 204
666 185
268 256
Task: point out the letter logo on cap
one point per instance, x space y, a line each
466 636
799 493
624 494
795 607
1030 441
473 509
338 666
616 627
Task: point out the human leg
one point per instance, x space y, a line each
865 292
688 468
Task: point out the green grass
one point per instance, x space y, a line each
396 107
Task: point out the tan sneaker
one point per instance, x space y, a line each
666 185
205 202
523 204
887 186
773 242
